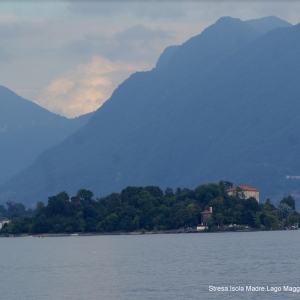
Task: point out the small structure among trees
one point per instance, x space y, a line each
244 192
205 215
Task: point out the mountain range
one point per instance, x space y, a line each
26 130
223 105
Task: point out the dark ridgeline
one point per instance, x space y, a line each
26 130
224 105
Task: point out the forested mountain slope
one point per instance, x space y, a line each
224 106
26 130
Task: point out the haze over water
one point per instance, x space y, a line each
174 266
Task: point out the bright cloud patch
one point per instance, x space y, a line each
85 89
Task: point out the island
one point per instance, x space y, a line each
149 209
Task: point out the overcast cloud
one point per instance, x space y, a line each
5 56
69 56
138 9
87 87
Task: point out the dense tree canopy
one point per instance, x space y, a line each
146 208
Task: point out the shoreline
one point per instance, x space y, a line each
130 233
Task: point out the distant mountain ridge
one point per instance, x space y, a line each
258 27
26 130
263 25
223 106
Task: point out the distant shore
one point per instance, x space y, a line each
128 233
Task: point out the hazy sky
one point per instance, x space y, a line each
69 56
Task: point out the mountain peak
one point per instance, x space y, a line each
228 20
216 42
265 24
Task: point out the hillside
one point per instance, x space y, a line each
224 106
26 130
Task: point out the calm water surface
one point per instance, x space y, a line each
169 266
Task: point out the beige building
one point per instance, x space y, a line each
246 190
205 215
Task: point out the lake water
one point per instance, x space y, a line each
166 266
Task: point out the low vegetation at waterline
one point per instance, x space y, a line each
146 208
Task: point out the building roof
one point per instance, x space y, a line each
206 212
243 188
